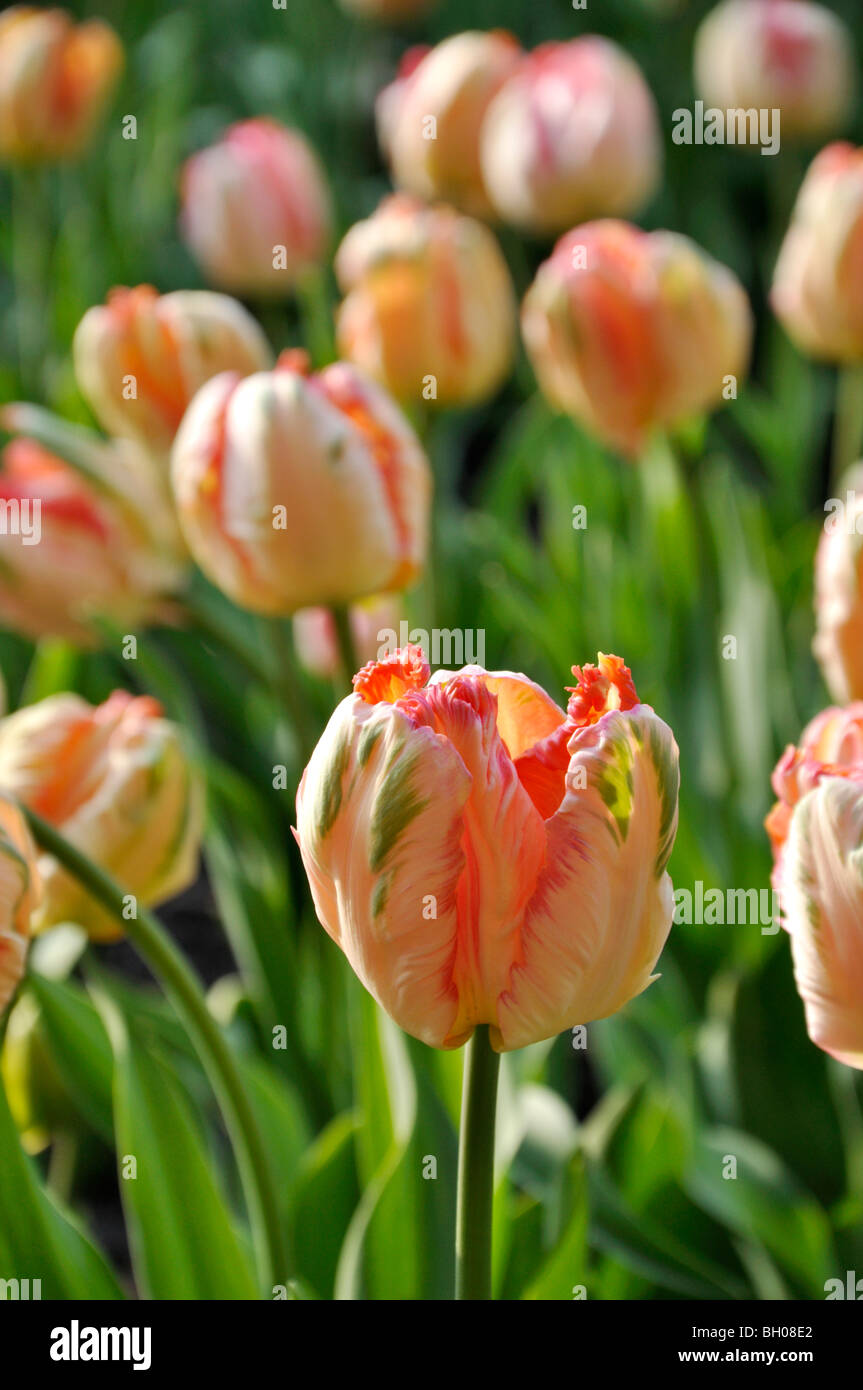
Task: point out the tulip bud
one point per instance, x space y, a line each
55 81
818 281
99 541
429 308
838 643
255 208
816 829
573 134
115 780
141 357
629 331
316 640
20 889
429 119
482 857
296 489
785 55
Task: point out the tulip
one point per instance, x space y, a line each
818 282
573 134
452 86
20 889
255 208
631 331
141 357
816 829
316 639
483 858
55 81
429 308
83 544
115 781
785 55
838 643
295 489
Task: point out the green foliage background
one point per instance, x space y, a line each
611 1162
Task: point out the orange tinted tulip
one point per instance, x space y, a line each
20 889
482 857
141 357
629 331
115 781
55 80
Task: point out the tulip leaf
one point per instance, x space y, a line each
37 1240
80 1048
325 1197
182 1235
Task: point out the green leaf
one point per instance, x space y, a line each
182 1235
80 1048
37 1240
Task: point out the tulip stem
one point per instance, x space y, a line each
848 421
30 269
178 980
345 641
476 1169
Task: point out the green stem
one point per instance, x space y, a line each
182 988
848 421
476 1169
316 314
348 662
285 682
30 271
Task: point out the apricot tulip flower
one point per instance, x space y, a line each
482 857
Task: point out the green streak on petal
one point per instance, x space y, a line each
396 805
329 798
367 740
380 894
615 785
668 786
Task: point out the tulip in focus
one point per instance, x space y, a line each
114 779
631 331
818 282
255 208
785 55
573 134
295 489
140 358
316 640
429 308
838 643
450 85
97 544
56 78
482 857
816 829
20 889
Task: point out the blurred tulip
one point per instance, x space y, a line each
631 331
115 780
838 643
818 282
141 357
255 208
429 119
295 489
573 134
20 889
316 640
429 308
816 829
785 55
482 857
78 543
56 78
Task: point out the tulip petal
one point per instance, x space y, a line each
821 893
602 908
379 824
